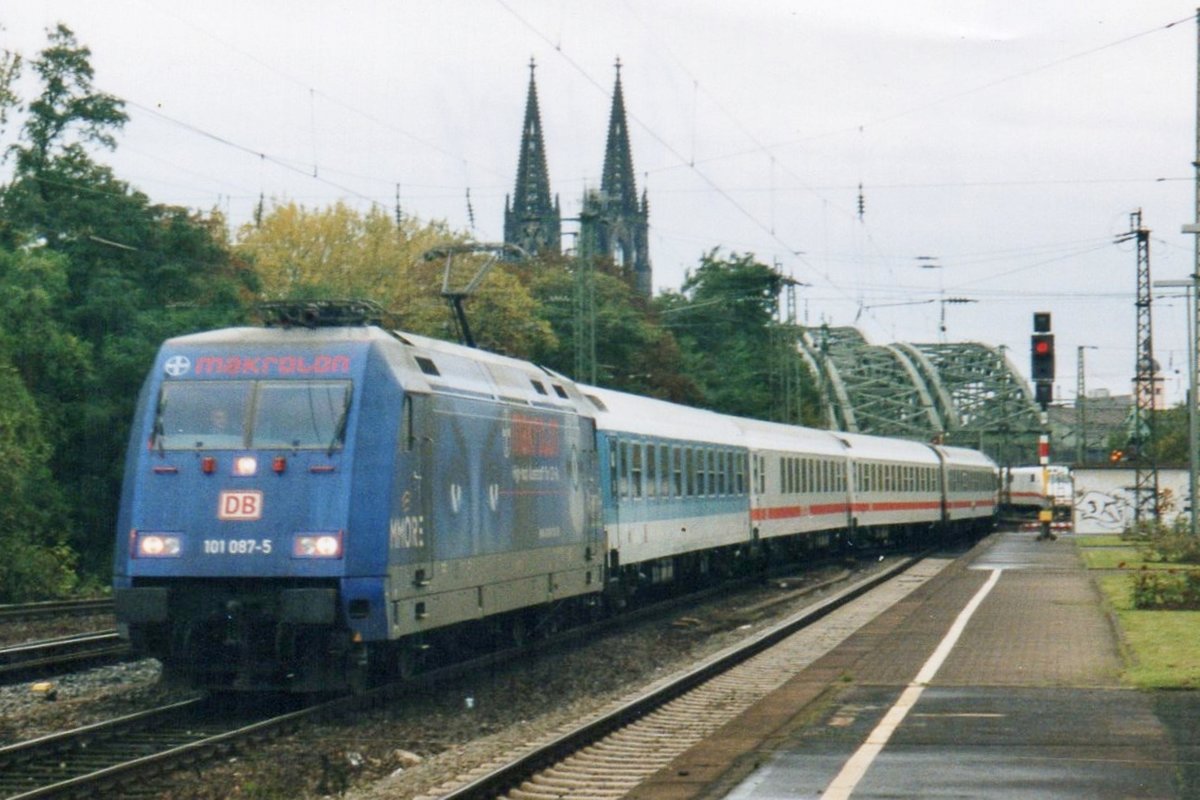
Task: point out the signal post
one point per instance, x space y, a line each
1041 352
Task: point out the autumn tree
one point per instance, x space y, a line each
338 252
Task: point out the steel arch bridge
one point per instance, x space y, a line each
963 393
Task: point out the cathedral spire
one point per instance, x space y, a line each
613 224
531 221
617 181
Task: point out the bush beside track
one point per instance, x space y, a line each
1160 643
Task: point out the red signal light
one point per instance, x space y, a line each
1042 356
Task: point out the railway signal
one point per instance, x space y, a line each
1041 352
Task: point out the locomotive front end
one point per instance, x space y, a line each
233 550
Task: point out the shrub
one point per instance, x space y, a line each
31 572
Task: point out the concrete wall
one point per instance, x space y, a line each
1104 498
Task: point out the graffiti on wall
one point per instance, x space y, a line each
1104 511
1104 499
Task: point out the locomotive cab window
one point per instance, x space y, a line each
211 415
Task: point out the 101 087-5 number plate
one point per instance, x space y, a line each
237 547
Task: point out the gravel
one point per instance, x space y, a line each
81 698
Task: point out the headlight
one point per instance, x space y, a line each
245 466
158 545
317 545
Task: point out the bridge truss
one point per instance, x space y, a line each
962 393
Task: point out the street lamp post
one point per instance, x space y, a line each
1192 285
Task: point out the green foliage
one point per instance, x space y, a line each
1172 590
732 347
36 564
634 353
68 106
1171 435
1171 544
1169 589
92 278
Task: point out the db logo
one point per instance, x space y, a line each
240 506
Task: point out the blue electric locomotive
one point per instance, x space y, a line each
300 505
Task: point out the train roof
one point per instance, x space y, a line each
644 416
965 457
762 435
864 446
249 335
454 369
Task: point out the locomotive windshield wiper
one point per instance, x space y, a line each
339 432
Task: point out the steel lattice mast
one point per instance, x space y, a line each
1145 488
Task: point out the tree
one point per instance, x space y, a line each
113 276
634 353
339 253
724 320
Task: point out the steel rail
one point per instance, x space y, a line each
510 776
46 655
54 608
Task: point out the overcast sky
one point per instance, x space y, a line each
1001 146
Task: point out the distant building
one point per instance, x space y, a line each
613 222
1105 416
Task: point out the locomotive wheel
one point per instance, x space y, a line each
358 669
408 662
519 631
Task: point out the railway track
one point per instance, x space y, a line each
120 758
34 659
612 753
111 759
55 608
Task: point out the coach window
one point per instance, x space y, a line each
710 484
677 470
624 468
741 473
635 470
614 488
651 470
688 473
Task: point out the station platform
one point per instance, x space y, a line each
999 678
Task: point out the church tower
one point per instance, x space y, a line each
532 221
614 223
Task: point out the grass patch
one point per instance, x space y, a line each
1127 557
1099 540
1162 647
